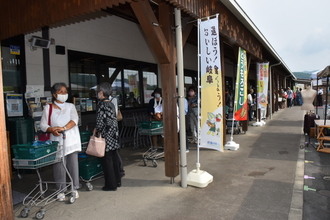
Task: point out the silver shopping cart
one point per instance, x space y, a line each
151 128
34 158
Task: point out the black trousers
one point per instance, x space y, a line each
111 169
319 100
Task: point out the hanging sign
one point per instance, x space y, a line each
15 50
211 108
241 105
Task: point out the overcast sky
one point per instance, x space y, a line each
299 30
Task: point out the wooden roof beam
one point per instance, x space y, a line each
153 32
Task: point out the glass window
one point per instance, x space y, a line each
88 70
149 82
83 76
11 70
110 71
131 84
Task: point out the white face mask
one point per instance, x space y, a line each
157 95
62 98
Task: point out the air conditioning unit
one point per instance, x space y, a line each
40 42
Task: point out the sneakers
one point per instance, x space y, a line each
60 197
187 150
75 192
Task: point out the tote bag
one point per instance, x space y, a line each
96 146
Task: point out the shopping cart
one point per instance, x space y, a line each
36 157
151 128
90 168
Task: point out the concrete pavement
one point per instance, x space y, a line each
263 179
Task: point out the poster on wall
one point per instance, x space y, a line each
211 108
34 91
14 104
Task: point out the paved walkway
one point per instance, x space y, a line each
263 179
317 168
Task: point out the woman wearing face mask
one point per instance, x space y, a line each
155 105
155 110
63 117
193 113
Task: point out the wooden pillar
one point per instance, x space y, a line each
6 204
161 38
223 72
168 72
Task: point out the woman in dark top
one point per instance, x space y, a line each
107 126
154 103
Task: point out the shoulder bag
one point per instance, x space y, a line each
96 146
46 136
119 115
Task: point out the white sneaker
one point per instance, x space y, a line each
60 197
75 192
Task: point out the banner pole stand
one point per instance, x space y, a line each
232 145
199 178
258 123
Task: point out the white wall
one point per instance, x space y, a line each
111 36
34 66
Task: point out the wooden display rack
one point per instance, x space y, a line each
321 138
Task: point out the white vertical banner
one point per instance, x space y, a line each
211 108
263 77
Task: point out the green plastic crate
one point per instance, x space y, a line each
36 163
151 127
21 130
27 151
150 124
85 136
90 167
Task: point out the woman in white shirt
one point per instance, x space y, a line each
64 117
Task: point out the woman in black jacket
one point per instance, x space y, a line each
107 126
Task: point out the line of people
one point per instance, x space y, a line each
191 111
64 117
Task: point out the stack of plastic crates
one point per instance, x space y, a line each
21 130
151 128
90 168
35 157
